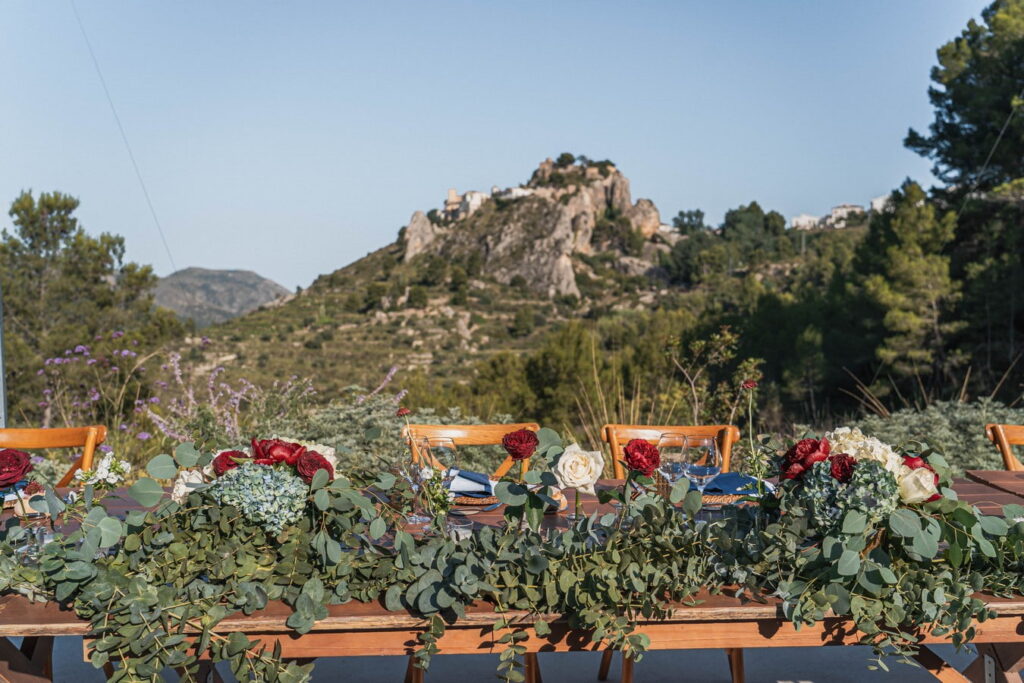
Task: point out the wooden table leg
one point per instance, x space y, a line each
39 649
413 674
606 663
15 667
999 663
627 669
532 668
735 656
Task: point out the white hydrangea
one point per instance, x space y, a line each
185 483
854 442
916 486
109 471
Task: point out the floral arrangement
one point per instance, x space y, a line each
268 483
578 469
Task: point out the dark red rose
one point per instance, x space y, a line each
842 466
269 462
642 456
14 465
794 471
806 452
520 444
33 488
277 450
311 461
749 384
228 460
402 412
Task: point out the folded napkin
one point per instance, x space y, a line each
733 484
471 484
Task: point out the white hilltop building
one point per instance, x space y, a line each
880 204
804 221
458 206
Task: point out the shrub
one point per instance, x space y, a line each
957 429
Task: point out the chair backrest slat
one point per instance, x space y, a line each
617 436
86 438
466 435
1004 437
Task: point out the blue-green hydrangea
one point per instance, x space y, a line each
272 497
872 490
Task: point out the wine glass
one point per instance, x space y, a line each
673 449
703 461
441 454
417 474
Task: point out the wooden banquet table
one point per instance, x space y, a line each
718 621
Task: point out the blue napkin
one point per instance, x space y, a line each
731 483
471 484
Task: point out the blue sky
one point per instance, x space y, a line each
294 138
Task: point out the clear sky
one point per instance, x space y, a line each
293 138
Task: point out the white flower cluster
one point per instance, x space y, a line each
916 485
109 471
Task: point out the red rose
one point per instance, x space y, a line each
269 462
311 461
520 444
749 384
642 456
402 412
842 466
794 471
914 462
227 460
277 450
14 465
33 488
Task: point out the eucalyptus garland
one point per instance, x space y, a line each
177 567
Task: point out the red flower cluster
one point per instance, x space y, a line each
802 455
916 462
520 444
642 456
14 465
271 452
749 384
402 412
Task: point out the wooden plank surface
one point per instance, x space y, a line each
1003 480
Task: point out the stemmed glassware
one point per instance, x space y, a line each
441 453
417 474
703 461
673 449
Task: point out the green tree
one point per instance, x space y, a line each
689 222
62 287
522 322
565 159
979 81
911 285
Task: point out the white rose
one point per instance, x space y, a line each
185 483
918 486
579 469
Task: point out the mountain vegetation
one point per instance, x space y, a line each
207 296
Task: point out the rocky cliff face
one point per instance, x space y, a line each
535 232
213 296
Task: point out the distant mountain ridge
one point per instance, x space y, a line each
215 296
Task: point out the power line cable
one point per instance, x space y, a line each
124 137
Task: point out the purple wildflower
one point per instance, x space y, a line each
143 436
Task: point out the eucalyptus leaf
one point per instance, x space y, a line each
187 455
162 467
146 492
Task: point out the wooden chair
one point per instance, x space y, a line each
86 438
466 435
1005 436
469 435
617 436
39 649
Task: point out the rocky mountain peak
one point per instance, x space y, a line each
536 231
